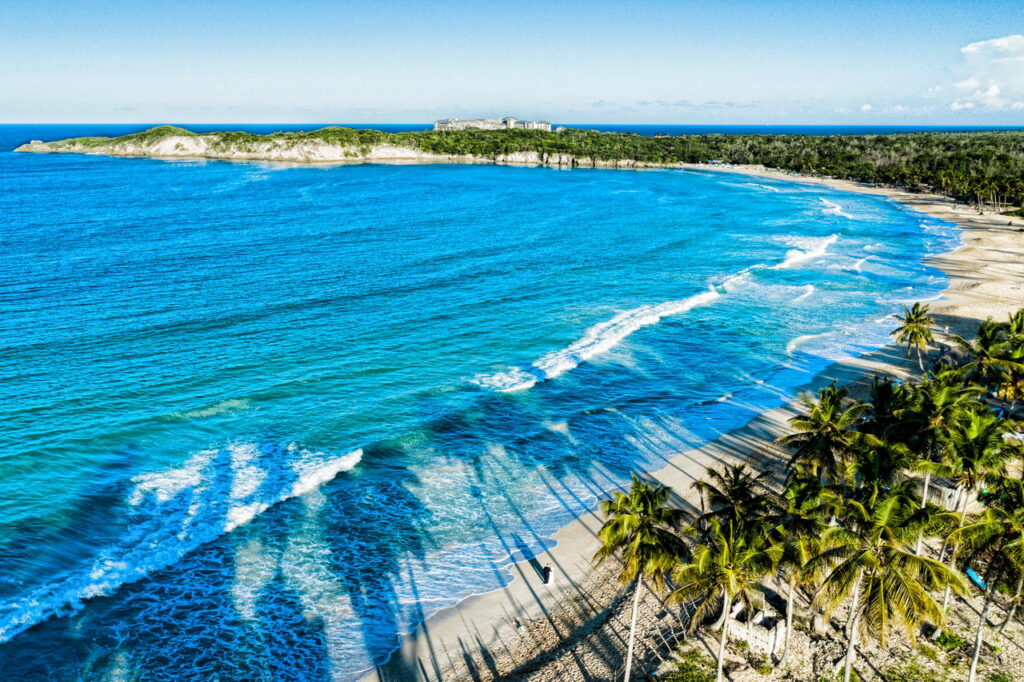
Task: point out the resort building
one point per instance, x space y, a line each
507 123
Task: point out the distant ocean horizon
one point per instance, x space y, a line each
63 130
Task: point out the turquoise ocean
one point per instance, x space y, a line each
258 420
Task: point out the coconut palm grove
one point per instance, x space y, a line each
852 529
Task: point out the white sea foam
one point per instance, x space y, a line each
165 485
801 340
604 336
808 290
176 510
596 340
832 208
806 249
760 186
859 265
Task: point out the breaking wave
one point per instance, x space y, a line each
808 290
806 249
174 511
760 186
598 339
801 340
832 208
604 336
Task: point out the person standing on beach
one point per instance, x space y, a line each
546 574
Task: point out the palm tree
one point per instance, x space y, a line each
997 539
798 533
736 495
987 361
914 330
871 567
1014 379
878 465
887 400
977 450
640 528
723 567
936 406
826 433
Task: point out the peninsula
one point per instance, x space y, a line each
984 168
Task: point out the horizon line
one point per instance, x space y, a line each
427 123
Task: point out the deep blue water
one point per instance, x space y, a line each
258 421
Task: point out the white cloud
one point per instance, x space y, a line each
1012 45
866 107
995 74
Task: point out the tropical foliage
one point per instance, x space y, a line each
976 167
854 524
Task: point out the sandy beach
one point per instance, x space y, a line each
514 631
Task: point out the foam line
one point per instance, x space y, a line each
801 340
173 512
832 208
604 336
598 339
807 249
808 290
760 186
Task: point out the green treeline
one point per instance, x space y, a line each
986 167
974 167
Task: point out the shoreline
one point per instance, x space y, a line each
986 278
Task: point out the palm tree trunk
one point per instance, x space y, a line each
978 637
725 612
856 599
632 629
721 641
920 362
952 567
924 503
789 618
1013 606
851 639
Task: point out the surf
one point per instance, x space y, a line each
174 511
598 339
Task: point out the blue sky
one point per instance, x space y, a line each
745 61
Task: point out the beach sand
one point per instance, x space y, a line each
489 635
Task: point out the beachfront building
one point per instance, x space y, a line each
507 123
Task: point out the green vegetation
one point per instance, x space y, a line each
999 677
692 666
975 167
844 530
639 530
950 642
150 136
762 666
914 330
912 672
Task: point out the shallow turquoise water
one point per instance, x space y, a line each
260 420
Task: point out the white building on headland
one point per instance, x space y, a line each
506 123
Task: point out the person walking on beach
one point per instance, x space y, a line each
546 574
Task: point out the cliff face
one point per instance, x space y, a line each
289 151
